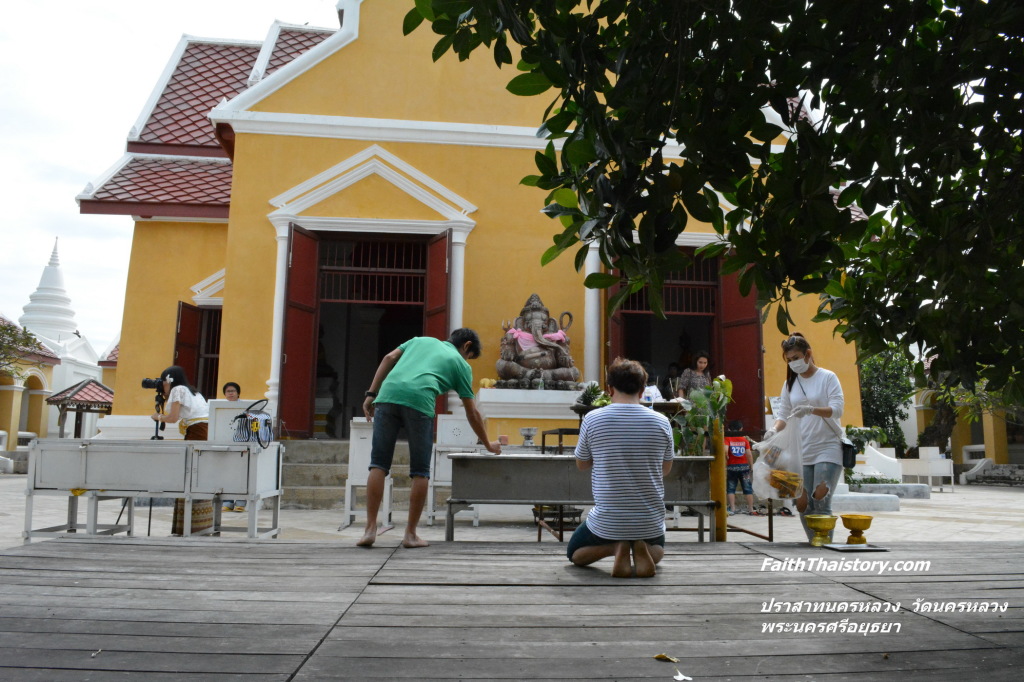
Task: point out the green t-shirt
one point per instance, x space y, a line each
427 368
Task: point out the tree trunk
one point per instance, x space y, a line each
938 432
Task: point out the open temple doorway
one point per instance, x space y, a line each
662 342
704 311
353 339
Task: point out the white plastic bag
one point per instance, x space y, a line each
778 471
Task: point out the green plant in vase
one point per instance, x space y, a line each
703 408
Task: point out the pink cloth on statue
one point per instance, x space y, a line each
526 340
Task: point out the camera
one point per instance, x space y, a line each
158 384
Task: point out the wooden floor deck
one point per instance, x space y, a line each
206 609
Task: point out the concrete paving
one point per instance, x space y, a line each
970 513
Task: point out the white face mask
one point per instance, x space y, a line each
799 365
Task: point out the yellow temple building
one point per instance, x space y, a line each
304 204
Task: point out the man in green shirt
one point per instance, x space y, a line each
403 393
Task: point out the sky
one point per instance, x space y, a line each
74 76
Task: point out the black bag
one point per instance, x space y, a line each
849 453
254 425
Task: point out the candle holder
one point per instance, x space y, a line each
821 524
856 524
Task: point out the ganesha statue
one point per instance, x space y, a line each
535 349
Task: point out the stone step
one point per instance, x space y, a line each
332 475
330 452
333 497
307 475
313 497
315 451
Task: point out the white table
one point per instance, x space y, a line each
131 470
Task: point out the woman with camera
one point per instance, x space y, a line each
186 406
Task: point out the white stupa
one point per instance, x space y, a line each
49 316
48 313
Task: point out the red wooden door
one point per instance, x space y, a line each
436 296
435 304
298 361
741 353
187 340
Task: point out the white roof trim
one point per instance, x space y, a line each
373 152
259 69
165 77
90 189
395 130
205 289
110 348
348 32
369 162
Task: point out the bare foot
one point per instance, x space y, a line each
622 568
645 567
369 537
411 541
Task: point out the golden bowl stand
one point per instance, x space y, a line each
856 524
821 524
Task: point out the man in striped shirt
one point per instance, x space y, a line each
628 448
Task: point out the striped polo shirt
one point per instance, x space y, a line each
627 444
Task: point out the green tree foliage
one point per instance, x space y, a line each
885 388
15 344
669 111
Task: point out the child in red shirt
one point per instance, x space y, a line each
738 465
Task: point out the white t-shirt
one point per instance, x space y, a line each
193 406
820 442
627 444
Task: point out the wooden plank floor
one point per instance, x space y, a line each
206 609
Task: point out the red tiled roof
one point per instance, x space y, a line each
205 74
37 353
111 358
290 44
166 186
88 393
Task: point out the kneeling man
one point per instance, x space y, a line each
628 448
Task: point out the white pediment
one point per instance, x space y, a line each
374 161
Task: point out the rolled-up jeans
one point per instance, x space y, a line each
388 418
814 474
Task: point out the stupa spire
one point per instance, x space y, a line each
48 313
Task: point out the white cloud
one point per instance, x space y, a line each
73 78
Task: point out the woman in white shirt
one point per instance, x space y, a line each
186 406
183 404
813 396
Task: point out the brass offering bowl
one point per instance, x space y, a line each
821 524
856 524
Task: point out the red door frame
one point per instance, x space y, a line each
299 342
437 296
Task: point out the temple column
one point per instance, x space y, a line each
277 338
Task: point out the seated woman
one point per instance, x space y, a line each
629 449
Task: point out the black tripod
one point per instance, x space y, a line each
157 428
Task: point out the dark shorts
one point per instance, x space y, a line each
582 537
738 473
388 418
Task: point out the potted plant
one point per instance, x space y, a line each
590 398
703 409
